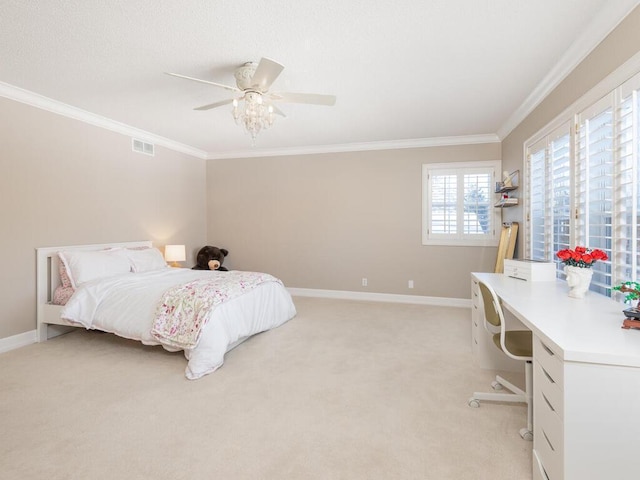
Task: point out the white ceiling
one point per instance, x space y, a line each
405 72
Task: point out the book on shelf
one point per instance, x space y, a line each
507 201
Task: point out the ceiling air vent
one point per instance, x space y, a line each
142 147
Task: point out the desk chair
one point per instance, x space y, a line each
516 344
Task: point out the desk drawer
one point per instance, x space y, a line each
548 359
475 293
476 315
548 436
512 270
539 473
530 270
549 421
475 346
550 460
551 392
477 319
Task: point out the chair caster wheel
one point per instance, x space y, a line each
474 403
526 434
496 385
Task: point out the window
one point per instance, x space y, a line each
549 195
594 185
457 204
582 187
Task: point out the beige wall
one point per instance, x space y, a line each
617 48
316 221
65 182
326 221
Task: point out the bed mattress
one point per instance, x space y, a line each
126 305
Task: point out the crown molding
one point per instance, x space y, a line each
39 101
606 21
592 35
45 103
359 147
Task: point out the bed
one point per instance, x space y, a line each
128 290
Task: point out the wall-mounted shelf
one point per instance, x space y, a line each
503 189
509 183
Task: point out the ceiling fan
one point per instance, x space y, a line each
253 81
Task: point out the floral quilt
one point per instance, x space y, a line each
184 310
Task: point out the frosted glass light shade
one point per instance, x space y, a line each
175 253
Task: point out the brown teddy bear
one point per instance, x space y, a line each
211 258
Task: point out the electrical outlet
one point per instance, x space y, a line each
410 283
364 282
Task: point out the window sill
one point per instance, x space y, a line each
460 243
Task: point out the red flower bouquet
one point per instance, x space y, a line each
581 257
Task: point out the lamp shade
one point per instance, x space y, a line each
175 253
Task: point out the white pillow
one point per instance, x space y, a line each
146 259
84 266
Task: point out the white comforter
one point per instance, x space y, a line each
126 305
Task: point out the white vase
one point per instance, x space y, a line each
578 280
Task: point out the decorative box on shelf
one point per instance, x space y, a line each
531 270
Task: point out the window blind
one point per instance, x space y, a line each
626 258
560 161
549 195
583 187
458 204
594 172
444 203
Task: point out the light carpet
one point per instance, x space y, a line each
346 390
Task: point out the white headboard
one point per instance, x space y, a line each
48 278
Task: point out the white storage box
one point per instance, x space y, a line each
531 270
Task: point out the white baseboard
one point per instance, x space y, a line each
17 341
27 338
381 297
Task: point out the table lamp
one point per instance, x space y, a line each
174 254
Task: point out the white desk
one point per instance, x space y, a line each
586 381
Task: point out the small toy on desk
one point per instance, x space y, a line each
632 314
211 258
630 323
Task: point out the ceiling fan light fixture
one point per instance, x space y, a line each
253 82
254 115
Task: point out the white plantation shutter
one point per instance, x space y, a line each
458 203
538 218
626 257
594 185
478 202
560 161
589 195
549 195
444 203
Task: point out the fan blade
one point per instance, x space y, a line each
215 105
233 89
266 73
277 111
311 98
